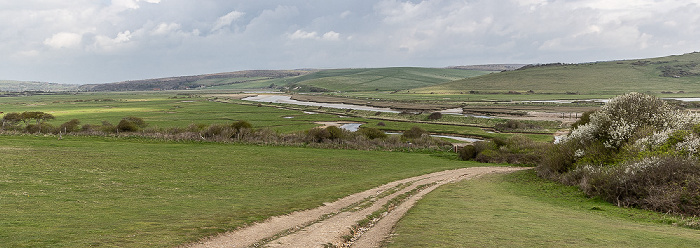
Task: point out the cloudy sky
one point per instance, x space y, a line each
98 41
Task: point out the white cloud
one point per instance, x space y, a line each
37 34
226 20
64 40
108 44
301 35
165 28
331 36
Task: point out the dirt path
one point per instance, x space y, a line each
335 224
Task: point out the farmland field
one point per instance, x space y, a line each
92 191
601 78
521 210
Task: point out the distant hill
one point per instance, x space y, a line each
22 86
371 79
194 82
489 67
671 74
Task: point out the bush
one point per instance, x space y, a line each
467 152
70 126
664 184
317 134
334 133
372 133
515 150
140 123
435 116
414 133
515 125
127 126
131 124
241 125
585 119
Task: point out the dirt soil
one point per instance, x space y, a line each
330 225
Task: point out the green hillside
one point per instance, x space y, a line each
370 79
20 86
656 75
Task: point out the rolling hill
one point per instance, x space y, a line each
671 74
372 79
22 86
193 82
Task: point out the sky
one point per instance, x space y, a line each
101 41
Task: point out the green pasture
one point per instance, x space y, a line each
161 110
522 210
228 81
121 192
600 78
465 97
370 79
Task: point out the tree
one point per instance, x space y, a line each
38 116
11 119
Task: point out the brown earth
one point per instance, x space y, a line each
330 225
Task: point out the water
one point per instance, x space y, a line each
352 127
288 100
458 138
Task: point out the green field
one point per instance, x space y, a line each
107 192
382 79
521 210
167 110
160 110
600 78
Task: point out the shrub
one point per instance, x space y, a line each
372 133
70 126
515 125
585 119
127 126
107 127
515 150
140 123
467 152
664 184
381 124
241 125
334 132
317 134
435 116
131 124
414 133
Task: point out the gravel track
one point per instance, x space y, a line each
331 224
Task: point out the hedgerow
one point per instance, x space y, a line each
636 151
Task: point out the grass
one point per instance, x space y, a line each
165 110
383 79
161 110
521 210
600 78
108 192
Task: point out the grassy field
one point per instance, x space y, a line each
600 78
165 110
160 110
371 79
107 192
521 210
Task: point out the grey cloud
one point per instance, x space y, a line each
95 41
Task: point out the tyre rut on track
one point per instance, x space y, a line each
336 224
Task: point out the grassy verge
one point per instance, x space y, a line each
521 210
128 192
